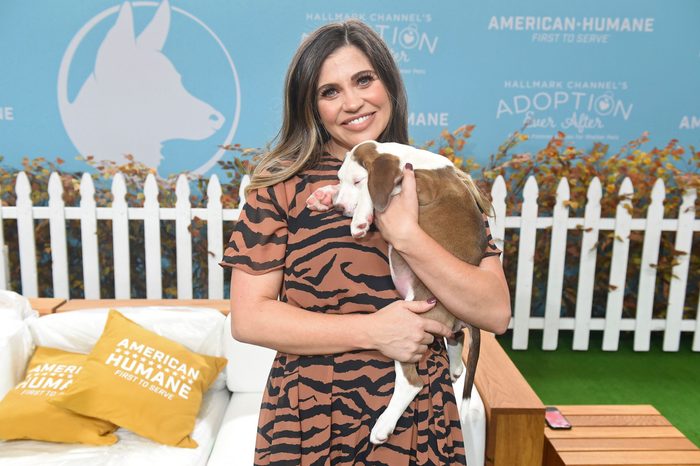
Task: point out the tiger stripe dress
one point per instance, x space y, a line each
319 410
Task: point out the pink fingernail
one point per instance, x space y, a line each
432 300
409 166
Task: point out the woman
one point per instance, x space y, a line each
339 322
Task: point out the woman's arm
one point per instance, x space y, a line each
258 317
477 295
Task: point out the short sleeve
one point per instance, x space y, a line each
259 240
491 248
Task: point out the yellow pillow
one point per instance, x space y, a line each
25 412
143 382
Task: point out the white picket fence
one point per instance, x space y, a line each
527 223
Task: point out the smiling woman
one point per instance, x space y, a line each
303 137
353 103
340 323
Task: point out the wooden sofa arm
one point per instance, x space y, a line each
514 412
75 304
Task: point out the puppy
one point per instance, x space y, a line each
449 211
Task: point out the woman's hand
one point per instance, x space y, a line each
399 222
401 333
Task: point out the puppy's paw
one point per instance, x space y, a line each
322 199
381 430
360 226
456 370
359 230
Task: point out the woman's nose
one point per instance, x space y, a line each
353 101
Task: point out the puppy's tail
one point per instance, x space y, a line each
481 199
472 360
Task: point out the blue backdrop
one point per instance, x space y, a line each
171 82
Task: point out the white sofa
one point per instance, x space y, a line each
16 344
226 426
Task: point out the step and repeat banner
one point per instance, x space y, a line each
170 82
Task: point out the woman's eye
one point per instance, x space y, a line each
365 80
328 92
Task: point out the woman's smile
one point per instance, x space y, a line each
352 102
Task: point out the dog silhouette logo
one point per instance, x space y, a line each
135 100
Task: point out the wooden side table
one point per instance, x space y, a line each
610 435
46 305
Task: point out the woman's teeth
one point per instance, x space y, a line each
358 120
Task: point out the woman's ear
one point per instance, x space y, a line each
382 178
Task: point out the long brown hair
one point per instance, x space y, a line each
300 140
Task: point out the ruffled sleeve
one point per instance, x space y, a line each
259 240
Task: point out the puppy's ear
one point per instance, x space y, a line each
383 176
365 154
427 187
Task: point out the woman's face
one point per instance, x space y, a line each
353 103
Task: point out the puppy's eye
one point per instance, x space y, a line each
357 182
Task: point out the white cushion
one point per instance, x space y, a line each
235 443
198 329
16 348
15 306
248 366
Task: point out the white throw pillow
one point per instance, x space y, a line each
198 329
248 365
15 306
16 348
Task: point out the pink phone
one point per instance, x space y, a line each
555 419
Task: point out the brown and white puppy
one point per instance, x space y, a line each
449 204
